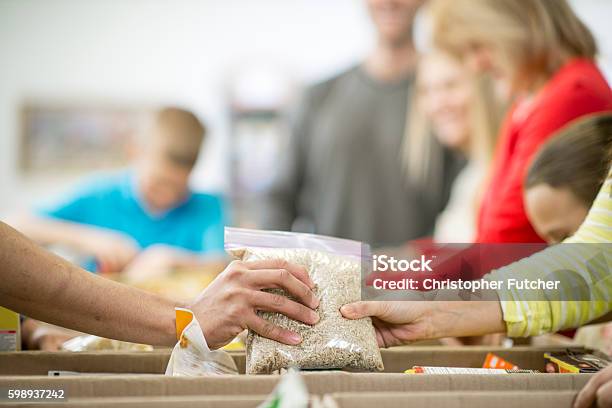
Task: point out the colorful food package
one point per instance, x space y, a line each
464 370
570 361
495 361
335 267
10 335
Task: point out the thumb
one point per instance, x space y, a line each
359 310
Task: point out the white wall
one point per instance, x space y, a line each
160 51
597 14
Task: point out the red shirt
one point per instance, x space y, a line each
577 89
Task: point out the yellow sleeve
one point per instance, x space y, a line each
527 317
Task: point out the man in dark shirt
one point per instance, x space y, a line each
342 174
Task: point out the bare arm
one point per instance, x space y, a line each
112 250
160 260
399 323
46 287
48 231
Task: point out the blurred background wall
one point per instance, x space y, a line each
187 52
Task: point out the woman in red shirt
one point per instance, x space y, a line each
543 56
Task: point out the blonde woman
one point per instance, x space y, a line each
461 112
544 55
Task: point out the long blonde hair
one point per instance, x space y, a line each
422 154
531 37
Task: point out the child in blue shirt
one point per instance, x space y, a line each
148 212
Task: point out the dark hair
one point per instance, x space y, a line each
577 158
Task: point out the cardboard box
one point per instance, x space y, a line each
344 389
455 399
155 402
318 383
396 360
399 359
10 335
41 362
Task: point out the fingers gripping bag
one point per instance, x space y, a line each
191 355
334 265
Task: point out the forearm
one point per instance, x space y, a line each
35 334
46 287
460 319
531 313
182 259
47 231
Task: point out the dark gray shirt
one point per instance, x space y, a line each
342 174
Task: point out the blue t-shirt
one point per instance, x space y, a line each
111 201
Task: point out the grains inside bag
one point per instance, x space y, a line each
334 342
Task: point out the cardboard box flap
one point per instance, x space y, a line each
395 359
324 383
399 359
160 402
317 383
41 362
456 399
147 385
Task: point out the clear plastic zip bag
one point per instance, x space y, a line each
335 267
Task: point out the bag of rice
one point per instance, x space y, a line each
335 267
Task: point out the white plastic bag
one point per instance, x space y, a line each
191 355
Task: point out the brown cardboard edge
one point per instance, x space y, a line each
454 399
40 362
317 383
241 401
395 359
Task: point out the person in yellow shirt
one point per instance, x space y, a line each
565 178
561 185
399 323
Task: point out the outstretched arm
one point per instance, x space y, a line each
403 322
400 323
46 287
111 249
